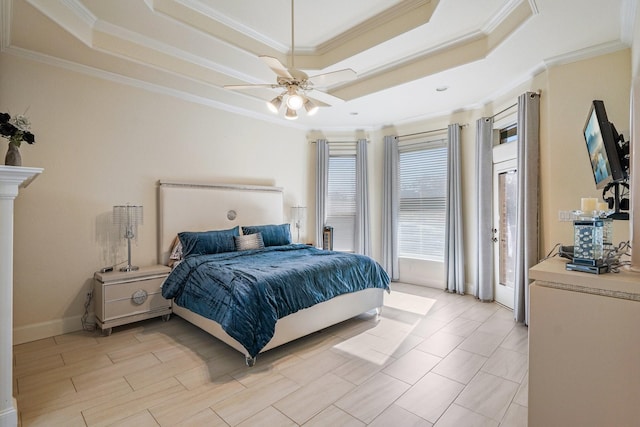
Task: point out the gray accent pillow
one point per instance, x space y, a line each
249 241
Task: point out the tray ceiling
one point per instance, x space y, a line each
402 51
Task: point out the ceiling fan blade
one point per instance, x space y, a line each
328 79
276 66
323 99
240 87
318 102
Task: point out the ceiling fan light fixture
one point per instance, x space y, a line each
290 114
310 107
295 101
274 104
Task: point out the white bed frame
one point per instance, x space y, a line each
199 207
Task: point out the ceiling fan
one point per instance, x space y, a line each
296 85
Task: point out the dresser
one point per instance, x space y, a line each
584 347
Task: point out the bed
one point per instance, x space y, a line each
196 207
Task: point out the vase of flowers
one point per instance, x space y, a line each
16 130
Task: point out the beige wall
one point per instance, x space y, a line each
103 143
566 175
566 93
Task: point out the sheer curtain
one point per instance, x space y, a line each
454 242
362 240
322 176
390 208
484 191
527 206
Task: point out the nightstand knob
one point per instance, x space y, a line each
139 296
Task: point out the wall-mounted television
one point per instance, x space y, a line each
604 145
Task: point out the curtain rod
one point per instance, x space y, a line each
464 125
506 109
538 93
422 133
341 142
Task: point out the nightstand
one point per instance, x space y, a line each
123 297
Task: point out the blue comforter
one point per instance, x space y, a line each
246 292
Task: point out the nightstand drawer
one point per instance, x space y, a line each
123 297
125 290
126 307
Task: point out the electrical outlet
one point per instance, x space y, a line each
89 294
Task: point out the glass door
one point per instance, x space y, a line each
505 196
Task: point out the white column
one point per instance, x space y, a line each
11 179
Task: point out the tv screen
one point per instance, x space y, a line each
602 145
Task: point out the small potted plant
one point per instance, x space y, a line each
16 130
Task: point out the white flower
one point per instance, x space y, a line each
21 122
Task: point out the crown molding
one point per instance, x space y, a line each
628 13
397 14
468 48
504 13
392 22
5 24
116 35
199 7
70 15
590 52
150 87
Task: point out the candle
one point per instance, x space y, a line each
588 204
602 206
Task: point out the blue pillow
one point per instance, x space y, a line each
208 242
272 235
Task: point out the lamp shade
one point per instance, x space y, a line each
275 103
298 216
128 217
290 114
298 213
310 107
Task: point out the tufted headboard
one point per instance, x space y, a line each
188 206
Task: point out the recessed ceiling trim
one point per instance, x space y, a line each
469 48
71 15
214 15
504 13
126 43
393 22
206 24
144 85
386 25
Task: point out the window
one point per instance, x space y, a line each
341 203
509 134
422 211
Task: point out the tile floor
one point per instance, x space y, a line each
431 359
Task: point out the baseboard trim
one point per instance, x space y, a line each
9 416
38 331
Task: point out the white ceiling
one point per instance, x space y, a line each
402 51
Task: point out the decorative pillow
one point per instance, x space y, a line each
208 242
272 235
249 241
176 252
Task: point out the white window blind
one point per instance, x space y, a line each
341 203
423 189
